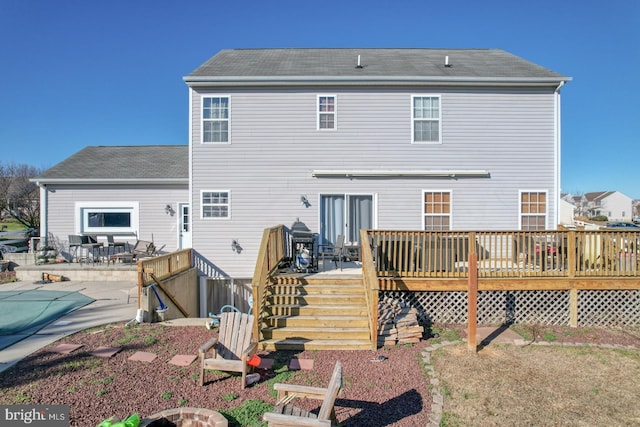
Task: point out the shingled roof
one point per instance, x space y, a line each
375 64
121 164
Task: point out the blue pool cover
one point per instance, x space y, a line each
23 313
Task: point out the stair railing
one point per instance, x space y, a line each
272 252
371 287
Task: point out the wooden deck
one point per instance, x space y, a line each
417 261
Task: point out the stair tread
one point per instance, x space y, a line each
323 343
343 306
311 328
320 317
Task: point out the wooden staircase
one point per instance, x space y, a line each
315 313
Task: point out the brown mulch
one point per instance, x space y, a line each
394 391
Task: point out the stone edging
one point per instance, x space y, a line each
193 417
438 401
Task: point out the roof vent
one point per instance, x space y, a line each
446 61
359 65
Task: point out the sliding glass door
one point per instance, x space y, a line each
345 214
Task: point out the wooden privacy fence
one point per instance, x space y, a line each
163 266
168 268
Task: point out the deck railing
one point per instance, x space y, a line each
163 266
272 252
371 288
445 254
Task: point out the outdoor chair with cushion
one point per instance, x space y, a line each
333 252
142 249
286 414
233 347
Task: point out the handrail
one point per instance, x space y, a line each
270 254
507 254
371 287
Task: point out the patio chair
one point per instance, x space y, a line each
75 242
286 414
113 245
91 244
232 348
334 252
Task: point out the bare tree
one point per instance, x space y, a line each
20 198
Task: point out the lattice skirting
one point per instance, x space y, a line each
595 308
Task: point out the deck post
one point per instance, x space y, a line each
472 303
573 308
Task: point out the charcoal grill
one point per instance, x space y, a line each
302 246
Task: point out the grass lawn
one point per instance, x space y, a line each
11 225
508 385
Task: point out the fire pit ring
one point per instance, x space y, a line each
187 417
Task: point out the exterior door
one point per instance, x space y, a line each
184 226
345 214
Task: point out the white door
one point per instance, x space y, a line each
184 226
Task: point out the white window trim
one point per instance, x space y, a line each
546 208
81 217
215 218
202 120
335 112
424 214
413 136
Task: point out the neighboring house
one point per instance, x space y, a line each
134 192
567 213
612 204
341 139
344 139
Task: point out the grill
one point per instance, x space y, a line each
302 246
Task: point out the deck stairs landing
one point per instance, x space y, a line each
315 313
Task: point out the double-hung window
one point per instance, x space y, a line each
216 204
426 119
215 119
326 112
533 210
437 210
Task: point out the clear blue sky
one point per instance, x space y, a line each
84 72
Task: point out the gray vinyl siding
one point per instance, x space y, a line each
154 222
275 145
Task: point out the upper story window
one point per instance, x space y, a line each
437 210
533 210
425 119
215 119
215 204
326 112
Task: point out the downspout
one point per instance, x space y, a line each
558 148
44 199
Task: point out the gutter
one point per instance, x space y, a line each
369 80
104 181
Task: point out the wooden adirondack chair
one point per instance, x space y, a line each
232 348
285 414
